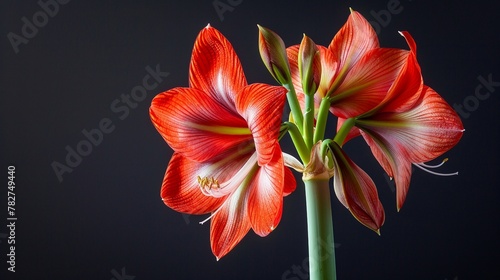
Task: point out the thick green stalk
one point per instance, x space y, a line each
309 120
320 230
324 107
293 102
298 141
343 131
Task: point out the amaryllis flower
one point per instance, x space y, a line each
413 124
356 72
227 160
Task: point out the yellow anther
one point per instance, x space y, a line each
208 182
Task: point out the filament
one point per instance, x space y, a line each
426 167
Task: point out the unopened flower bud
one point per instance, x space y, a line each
273 53
309 65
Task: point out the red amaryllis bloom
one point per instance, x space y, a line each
227 160
355 72
413 124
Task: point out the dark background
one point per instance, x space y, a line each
105 219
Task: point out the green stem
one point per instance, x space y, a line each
293 102
309 120
324 107
344 130
320 230
298 141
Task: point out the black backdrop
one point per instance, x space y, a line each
63 74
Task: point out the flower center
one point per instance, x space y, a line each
211 186
207 183
237 183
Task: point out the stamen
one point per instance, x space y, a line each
434 166
211 186
209 183
425 167
213 214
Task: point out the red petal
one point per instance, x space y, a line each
180 190
266 195
230 224
290 183
292 54
352 41
394 159
434 125
407 88
188 120
215 68
368 82
356 190
262 107
329 70
410 41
